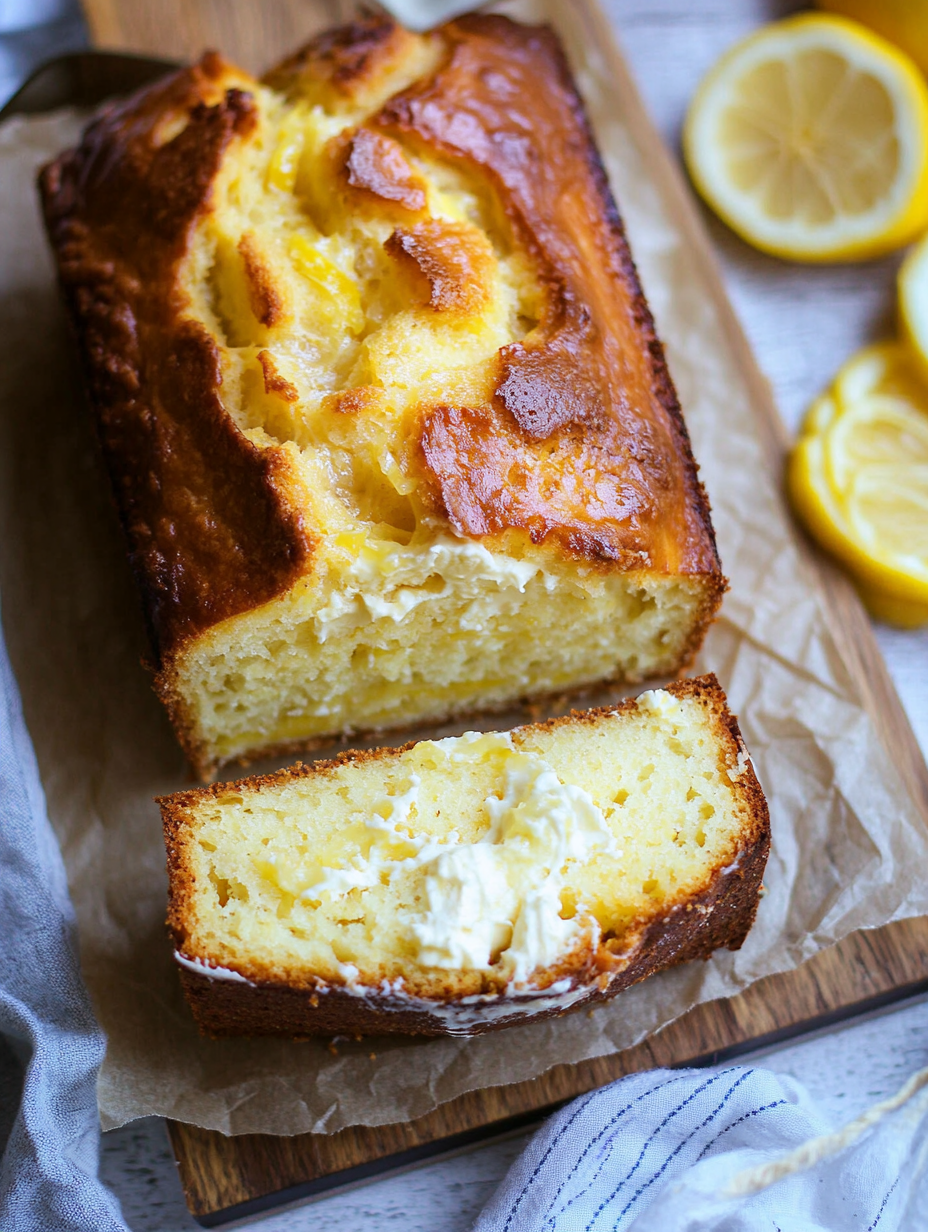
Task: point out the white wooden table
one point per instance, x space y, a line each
803 323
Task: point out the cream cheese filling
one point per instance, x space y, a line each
384 579
495 902
212 970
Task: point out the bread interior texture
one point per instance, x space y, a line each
464 865
459 626
331 343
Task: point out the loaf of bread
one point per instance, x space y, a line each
454 886
389 428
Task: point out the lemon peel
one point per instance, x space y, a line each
858 479
809 139
901 21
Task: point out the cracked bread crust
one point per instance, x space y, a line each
588 392
214 524
261 1002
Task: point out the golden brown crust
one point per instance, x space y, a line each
347 59
374 164
584 442
354 401
720 914
274 382
452 260
212 526
263 296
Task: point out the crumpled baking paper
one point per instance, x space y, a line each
849 850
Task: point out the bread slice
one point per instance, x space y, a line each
456 885
378 388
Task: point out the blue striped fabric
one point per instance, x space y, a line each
655 1152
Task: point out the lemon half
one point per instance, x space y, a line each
810 139
858 478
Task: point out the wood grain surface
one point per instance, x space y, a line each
225 1177
252 33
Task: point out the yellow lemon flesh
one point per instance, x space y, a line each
858 478
903 22
810 139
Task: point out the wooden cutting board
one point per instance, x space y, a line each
229 1178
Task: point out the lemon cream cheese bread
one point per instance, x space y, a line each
389 428
454 886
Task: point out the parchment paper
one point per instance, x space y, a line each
848 852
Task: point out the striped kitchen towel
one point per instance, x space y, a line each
735 1149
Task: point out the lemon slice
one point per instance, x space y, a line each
876 391
881 437
858 478
887 511
807 483
885 368
810 139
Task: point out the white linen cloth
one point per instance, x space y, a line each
422 14
698 1151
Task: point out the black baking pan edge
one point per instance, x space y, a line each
83 79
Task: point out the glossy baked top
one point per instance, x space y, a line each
385 292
